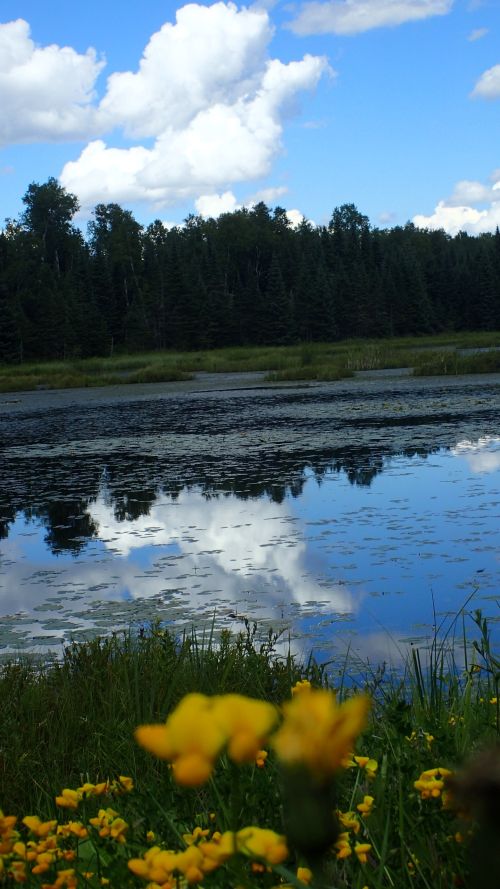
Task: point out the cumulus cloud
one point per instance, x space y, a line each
295 217
488 85
473 207
212 205
46 93
205 108
356 16
211 56
212 100
468 192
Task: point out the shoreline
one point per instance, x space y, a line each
212 384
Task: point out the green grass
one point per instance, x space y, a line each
446 364
70 722
305 361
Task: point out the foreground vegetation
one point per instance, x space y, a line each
277 781
436 355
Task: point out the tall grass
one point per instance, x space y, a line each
76 717
304 361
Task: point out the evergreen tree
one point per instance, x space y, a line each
10 334
277 307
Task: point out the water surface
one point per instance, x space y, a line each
358 513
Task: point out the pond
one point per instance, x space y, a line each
355 515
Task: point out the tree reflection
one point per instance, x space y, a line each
59 495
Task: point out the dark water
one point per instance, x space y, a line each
357 514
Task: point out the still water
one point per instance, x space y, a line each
355 515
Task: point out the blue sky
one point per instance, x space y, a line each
393 105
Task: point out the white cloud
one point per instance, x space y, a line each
205 108
212 100
458 213
468 192
488 85
295 217
356 16
456 219
267 195
118 169
212 205
46 92
212 55
477 34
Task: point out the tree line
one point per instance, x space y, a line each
246 278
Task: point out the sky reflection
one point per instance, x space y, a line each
373 566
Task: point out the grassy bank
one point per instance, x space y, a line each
315 361
70 725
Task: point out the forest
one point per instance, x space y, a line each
246 278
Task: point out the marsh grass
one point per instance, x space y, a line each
118 682
432 355
446 364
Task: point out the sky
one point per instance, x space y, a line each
166 109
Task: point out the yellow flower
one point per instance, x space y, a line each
431 782
158 866
197 835
39 828
109 824
301 686
343 846
305 875
363 762
262 843
366 806
43 863
349 820
200 727
218 850
260 758
192 769
65 878
68 799
76 828
319 733
361 850
191 739
19 849
246 723
125 783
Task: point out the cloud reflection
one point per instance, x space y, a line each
184 560
482 455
